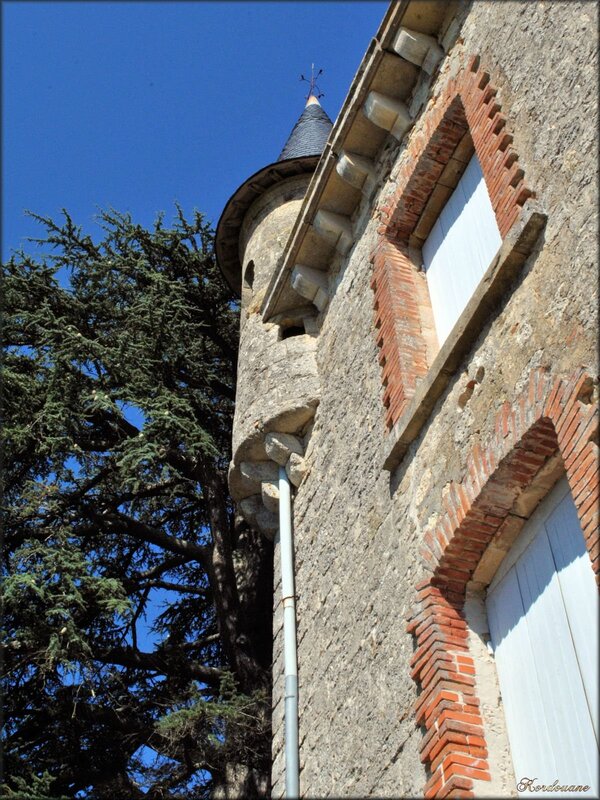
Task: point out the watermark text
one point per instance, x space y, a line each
531 785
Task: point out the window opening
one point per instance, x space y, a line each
292 330
249 275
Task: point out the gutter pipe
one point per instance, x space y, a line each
290 658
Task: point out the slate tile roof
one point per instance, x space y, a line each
309 134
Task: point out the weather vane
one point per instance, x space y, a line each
314 89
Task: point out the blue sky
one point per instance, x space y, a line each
135 105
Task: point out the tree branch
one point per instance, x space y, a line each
167 565
157 662
119 522
175 587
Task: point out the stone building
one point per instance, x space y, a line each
419 351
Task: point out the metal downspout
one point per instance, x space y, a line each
290 659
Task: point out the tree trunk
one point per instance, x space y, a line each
242 566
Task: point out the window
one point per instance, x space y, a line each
292 330
440 214
460 248
543 618
249 275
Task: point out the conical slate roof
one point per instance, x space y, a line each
309 134
299 156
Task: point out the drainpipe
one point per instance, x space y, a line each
290 660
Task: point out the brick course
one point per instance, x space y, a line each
403 318
550 415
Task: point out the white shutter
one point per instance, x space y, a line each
543 619
579 594
521 694
460 248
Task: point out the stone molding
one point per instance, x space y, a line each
551 415
467 115
254 484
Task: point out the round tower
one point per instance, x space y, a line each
278 389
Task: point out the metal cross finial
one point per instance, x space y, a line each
313 88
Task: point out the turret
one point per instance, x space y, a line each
278 386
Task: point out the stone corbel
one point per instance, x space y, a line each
312 284
356 170
388 113
270 496
280 446
259 471
418 48
296 469
259 517
255 484
335 229
287 451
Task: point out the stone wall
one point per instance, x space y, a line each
267 225
278 385
358 530
276 375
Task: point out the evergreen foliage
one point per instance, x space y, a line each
118 397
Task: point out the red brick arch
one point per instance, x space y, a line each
550 415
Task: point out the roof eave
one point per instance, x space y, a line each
379 70
228 231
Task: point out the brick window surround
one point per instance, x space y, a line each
552 415
467 116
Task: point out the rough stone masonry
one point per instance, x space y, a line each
359 529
